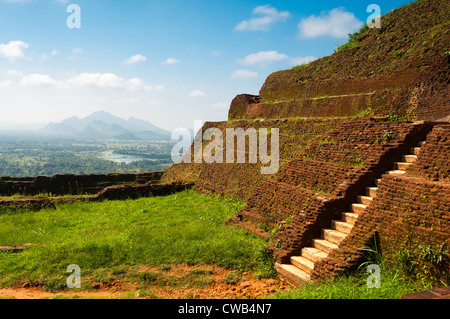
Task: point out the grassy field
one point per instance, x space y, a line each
393 285
116 237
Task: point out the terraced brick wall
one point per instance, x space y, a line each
411 216
240 180
71 184
387 71
433 163
309 192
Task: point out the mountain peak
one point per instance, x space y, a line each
106 125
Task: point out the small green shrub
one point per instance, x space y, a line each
353 39
399 53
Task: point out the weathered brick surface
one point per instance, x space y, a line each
315 175
21 204
239 180
347 104
337 169
433 161
71 184
385 71
117 192
409 212
136 191
275 202
240 103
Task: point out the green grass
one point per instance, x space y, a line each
353 39
113 238
393 285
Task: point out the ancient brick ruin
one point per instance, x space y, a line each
364 153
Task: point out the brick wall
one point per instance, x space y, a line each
407 214
433 161
71 184
239 180
411 213
337 169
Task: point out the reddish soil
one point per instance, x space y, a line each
247 287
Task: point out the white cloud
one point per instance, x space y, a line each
108 81
14 72
66 98
159 88
171 61
338 23
135 59
197 93
5 84
243 74
19 1
39 79
302 60
269 15
77 50
96 80
14 50
45 57
75 53
263 58
130 100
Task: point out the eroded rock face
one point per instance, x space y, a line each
240 104
72 184
389 71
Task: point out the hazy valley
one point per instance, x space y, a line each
98 144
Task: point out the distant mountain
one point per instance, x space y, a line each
103 125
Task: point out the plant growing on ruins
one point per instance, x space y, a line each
388 135
353 39
399 53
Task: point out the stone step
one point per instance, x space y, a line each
324 245
313 254
358 208
292 274
371 191
302 263
341 226
402 165
415 150
366 200
400 172
349 217
333 236
409 158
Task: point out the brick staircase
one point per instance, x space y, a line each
299 270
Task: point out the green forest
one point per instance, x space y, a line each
20 156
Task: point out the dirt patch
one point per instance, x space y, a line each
168 282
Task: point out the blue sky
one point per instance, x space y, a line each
170 62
